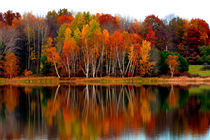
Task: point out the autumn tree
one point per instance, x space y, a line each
134 51
8 39
145 66
54 58
86 47
36 31
173 63
59 40
137 27
179 30
45 66
150 35
82 19
65 19
11 65
203 29
164 69
193 41
9 16
108 22
28 20
70 52
97 51
159 28
42 32
103 38
51 19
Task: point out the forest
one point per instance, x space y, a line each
67 44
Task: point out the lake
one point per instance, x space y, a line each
105 112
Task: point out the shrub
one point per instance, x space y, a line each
27 73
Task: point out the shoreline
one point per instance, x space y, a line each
135 81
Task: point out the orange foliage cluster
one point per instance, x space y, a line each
11 65
65 19
27 73
173 63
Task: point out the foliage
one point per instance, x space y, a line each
54 58
205 54
46 67
11 65
27 73
145 65
164 68
172 61
101 44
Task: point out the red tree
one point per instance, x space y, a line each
150 35
108 22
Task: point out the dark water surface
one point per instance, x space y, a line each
105 112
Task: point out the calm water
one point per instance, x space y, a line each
105 112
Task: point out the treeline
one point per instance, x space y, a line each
89 45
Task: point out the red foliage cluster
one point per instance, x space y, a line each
8 17
65 19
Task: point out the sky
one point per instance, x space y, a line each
137 9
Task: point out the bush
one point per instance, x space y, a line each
164 69
27 73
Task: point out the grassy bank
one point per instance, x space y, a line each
34 81
196 69
52 81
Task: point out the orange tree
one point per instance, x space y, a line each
11 65
54 58
173 63
164 67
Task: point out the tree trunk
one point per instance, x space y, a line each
69 73
56 70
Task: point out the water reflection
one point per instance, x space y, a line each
92 112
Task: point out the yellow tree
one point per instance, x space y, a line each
88 46
11 65
70 52
173 63
145 65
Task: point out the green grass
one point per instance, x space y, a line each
196 69
31 80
